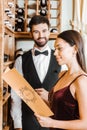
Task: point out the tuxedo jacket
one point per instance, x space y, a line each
29 121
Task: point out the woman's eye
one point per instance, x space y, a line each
60 48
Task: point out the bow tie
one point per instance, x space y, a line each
38 53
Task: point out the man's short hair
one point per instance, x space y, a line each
38 19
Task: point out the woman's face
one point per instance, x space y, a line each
63 51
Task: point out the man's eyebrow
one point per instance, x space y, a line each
35 31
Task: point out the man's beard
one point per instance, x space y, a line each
39 44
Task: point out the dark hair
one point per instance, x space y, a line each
38 19
74 38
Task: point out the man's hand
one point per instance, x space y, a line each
43 93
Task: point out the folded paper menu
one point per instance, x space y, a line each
26 92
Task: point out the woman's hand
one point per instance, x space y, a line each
43 93
18 129
44 121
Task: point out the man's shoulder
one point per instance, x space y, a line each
27 53
52 50
26 56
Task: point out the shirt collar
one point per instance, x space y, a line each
41 50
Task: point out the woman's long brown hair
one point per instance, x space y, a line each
74 38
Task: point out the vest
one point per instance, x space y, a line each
29 121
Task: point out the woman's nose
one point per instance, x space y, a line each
55 53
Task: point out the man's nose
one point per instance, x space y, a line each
40 34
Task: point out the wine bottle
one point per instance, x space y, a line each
43 12
19 26
20 12
43 3
11 4
54 30
7 10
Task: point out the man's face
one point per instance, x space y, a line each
40 34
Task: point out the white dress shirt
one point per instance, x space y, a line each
41 63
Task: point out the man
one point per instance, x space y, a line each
39 68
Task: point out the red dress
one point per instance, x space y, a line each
63 105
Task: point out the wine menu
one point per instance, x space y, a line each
17 82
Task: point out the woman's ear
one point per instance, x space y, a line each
75 49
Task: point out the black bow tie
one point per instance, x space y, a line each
38 52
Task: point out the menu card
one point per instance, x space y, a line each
26 92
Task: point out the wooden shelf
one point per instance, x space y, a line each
6 128
27 35
8 63
23 35
33 7
8 36
7 46
6 97
9 31
53 35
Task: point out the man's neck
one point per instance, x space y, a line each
41 48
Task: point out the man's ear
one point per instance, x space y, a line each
49 33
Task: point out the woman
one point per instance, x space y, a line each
68 98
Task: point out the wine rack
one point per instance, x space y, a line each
48 8
19 19
9 14
13 14
7 47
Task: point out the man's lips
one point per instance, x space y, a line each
41 39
